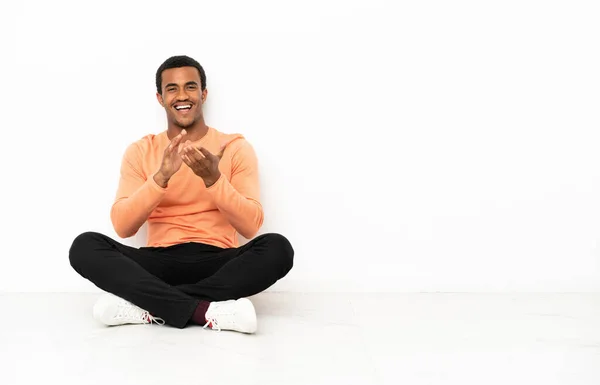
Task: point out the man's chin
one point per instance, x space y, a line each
184 124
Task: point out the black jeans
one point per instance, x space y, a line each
169 281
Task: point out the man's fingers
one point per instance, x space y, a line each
175 142
201 160
182 146
207 154
195 161
186 160
197 153
200 155
178 138
193 153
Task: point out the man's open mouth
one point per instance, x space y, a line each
183 107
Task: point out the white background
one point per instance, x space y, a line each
410 146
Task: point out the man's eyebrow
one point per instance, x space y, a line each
187 84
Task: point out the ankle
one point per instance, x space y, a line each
199 315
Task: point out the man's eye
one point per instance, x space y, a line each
192 87
171 89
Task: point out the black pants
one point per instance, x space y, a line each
169 281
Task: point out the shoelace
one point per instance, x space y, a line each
152 319
212 323
128 310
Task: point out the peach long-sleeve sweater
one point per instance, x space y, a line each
186 210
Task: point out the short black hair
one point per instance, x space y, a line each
176 62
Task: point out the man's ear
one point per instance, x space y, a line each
160 99
204 95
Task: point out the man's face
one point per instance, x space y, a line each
181 96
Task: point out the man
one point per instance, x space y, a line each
197 188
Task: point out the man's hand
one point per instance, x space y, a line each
171 161
203 163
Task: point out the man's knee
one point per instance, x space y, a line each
81 248
281 248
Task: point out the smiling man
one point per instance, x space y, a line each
197 188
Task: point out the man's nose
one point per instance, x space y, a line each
181 95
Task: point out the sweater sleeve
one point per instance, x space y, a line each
137 195
238 199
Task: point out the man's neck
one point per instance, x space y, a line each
193 133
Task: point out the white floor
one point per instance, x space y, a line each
314 339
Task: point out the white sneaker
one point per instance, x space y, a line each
112 310
237 315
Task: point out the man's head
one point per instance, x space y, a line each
181 90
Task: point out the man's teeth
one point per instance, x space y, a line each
183 107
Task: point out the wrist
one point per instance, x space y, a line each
161 179
212 181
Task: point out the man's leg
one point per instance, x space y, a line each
247 270
136 275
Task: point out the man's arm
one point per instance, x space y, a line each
239 199
136 197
